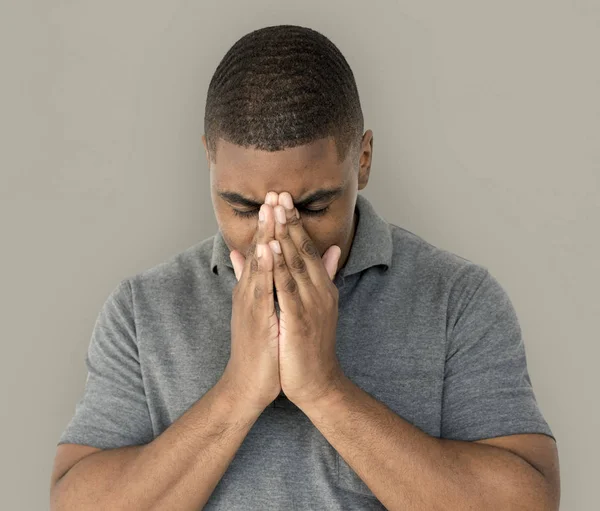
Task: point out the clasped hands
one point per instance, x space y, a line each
305 332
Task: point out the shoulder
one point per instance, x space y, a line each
185 269
433 266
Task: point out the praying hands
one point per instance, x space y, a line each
283 256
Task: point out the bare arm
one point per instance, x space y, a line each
405 468
177 470
181 468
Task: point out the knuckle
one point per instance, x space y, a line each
285 235
298 264
280 264
290 286
258 292
308 247
292 220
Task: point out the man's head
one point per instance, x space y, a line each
283 114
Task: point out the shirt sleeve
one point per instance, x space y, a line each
487 390
113 411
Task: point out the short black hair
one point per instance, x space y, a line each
283 86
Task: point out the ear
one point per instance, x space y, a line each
365 159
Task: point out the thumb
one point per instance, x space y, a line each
238 261
331 258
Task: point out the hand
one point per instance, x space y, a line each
308 299
253 367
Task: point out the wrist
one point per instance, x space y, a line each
326 396
238 399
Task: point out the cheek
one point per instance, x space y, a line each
324 233
238 233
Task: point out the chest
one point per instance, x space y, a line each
390 343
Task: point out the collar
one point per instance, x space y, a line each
372 244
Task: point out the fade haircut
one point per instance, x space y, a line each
280 87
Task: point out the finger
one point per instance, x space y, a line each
237 260
304 259
266 227
261 285
294 261
271 199
331 259
267 233
263 277
288 294
248 257
264 233
241 263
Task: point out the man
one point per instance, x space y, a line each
310 355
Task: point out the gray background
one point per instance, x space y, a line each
486 120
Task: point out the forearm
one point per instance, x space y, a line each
408 469
177 470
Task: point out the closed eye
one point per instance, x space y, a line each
303 211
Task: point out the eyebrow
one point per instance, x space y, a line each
321 194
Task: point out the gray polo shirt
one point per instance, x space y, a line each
432 335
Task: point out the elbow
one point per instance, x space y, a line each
56 499
539 494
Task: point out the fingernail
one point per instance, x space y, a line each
297 214
271 199
260 250
261 214
280 214
286 199
275 246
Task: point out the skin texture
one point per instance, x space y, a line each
404 467
399 462
299 171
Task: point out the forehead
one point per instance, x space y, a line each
298 170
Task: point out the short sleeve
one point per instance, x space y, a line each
113 411
487 391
